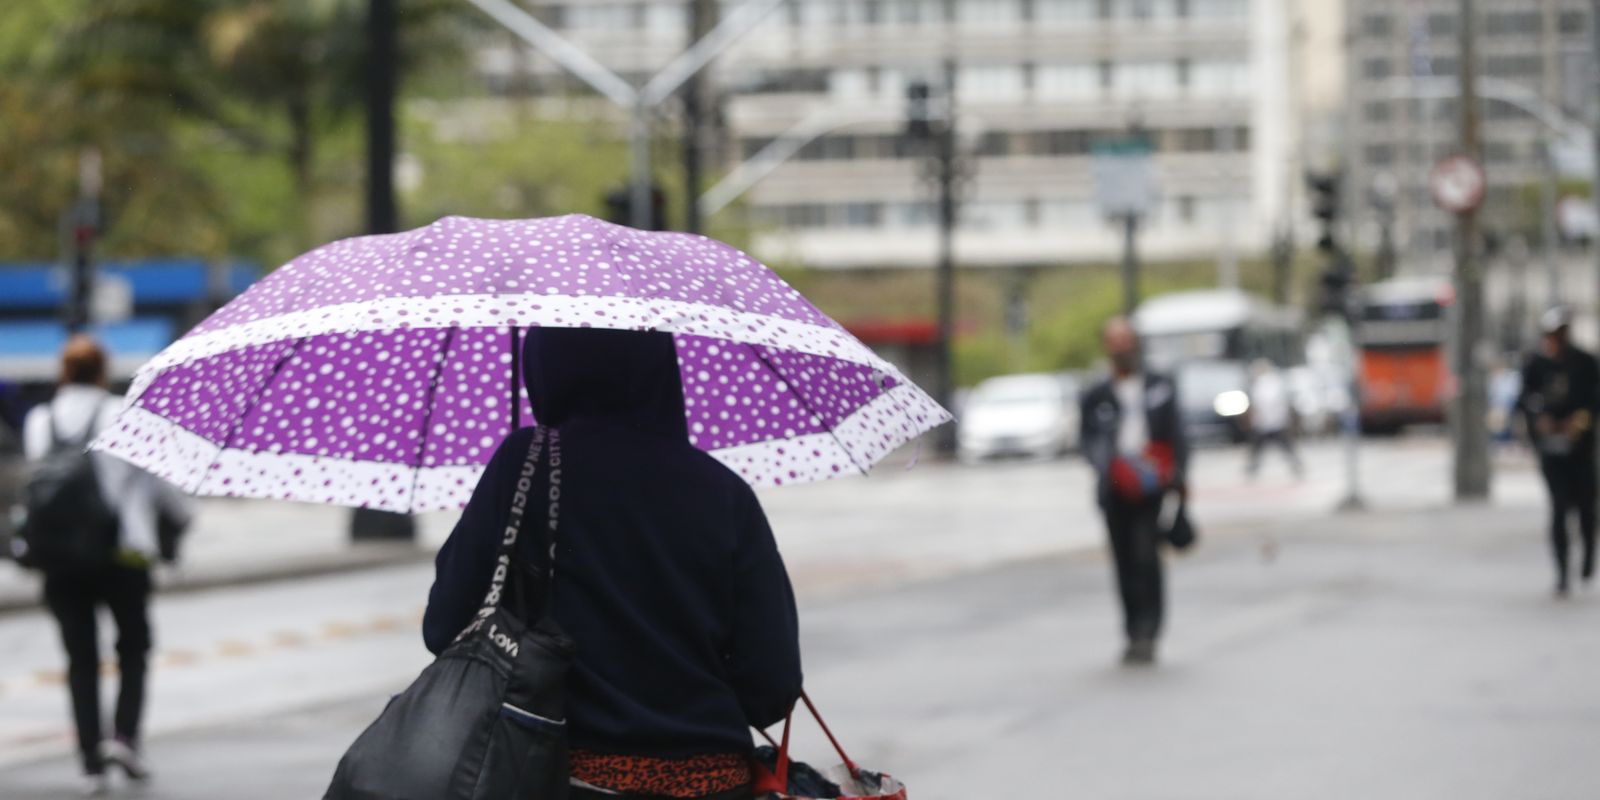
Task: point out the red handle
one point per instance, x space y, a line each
780 777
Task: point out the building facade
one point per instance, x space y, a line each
1404 56
1039 85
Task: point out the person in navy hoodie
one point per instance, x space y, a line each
667 575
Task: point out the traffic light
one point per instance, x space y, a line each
918 124
1324 188
619 209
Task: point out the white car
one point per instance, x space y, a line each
1033 415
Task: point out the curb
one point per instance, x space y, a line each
358 558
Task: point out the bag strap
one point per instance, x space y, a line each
515 520
782 772
59 441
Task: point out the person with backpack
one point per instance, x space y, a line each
666 575
91 527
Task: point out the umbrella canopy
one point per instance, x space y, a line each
380 371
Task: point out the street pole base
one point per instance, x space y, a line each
372 525
1352 503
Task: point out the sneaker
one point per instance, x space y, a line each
96 786
124 756
1140 653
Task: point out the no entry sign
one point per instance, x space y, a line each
1458 184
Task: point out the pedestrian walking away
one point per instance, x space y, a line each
667 577
1271 416
92 529
1133 437
1560 398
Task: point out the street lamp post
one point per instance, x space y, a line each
1471 433
936 129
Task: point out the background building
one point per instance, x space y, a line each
1039 84
1541 47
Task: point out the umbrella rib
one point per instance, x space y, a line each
427 422
809 410
238 421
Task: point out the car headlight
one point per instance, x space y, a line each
1231 404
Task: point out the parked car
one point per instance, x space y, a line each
1032 415
1215 399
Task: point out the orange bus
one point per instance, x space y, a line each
1403 336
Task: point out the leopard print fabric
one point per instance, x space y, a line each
695 776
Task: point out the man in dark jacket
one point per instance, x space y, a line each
667 576
1560 397
1132 434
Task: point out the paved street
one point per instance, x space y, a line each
960 632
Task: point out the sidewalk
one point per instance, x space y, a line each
248 541
1389 655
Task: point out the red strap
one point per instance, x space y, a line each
776 782
781 775
850 765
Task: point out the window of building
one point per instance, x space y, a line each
995 144
1508 23
1067 80
989 13
1106 9
1377 68
666 19
860 215
1380 154
1060 143
1571 22
1499 152
850 84
1443 65
1064 11
1146 79
1211 78
820 13
1067 212
1517 66
1186 209
1182 67
1378 111
981 83
995 214
1220 9
600 16
916 12
1441 24
1377 26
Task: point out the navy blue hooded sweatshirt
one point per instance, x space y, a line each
667 576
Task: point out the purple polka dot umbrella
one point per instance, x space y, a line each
377 371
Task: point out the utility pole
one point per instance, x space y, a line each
933 125
85 230
1594 34
368 524
1130 263
1471 429
945 143
1549 193
1228 255
702 18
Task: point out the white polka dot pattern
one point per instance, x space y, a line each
358 375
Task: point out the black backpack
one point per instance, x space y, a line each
68 525
487 719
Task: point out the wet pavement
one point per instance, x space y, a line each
1410 652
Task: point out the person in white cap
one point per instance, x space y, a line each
1560 398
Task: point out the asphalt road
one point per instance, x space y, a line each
1410 652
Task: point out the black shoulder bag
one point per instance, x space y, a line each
487 719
